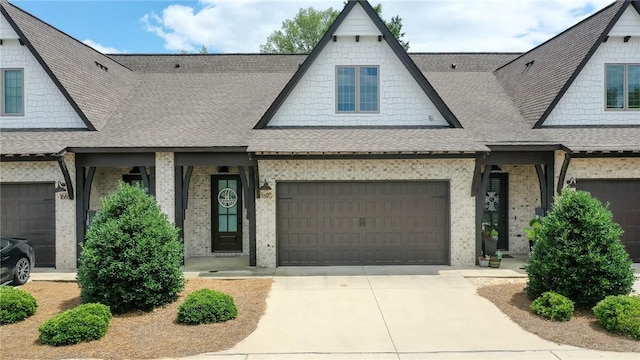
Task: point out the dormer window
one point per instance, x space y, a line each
12 92
622 86
357 89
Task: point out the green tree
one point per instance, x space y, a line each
302 33
132 257
578 252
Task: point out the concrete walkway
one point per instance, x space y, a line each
390 317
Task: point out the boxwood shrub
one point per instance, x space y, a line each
206 306
620 314
578 252
553 306
86 322
15 305
132 257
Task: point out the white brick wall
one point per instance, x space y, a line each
44 104
198 215
166 184
313 101
36 171
458 171
524 197
599 168
584 101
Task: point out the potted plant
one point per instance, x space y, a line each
494 261
490 238
532 231
484 260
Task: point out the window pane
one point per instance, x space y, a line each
615 86
633 77
13 92
233 223
222 223
368 89
346 89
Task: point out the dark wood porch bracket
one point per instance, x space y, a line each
542 157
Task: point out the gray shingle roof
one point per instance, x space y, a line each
553 64
214 100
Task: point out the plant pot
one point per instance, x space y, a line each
483 261
490 246
494 263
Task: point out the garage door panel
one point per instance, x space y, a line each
364 223
623 197
28 211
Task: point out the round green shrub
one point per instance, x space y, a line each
132 257
86 322
206 306
620 314
578 252
553 306
15 305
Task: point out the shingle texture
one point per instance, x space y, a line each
215 100
535 79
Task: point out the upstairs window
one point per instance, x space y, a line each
622 86
357 89
12 92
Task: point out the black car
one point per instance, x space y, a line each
18 258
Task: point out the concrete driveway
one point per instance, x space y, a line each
390 317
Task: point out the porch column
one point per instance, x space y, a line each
165 183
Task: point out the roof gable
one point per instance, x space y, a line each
537 80
364 9
91 82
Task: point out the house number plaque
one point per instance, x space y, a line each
227 197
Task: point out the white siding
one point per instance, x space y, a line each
357 22
44 104
584 102
6 31
401 100
628 24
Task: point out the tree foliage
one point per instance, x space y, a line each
132 257
578 252
302 33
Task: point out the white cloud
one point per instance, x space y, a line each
430 26
103 49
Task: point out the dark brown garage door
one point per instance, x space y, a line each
28 211
623 197
363 223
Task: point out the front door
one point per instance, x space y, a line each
495 207
226 203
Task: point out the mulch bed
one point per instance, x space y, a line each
138 335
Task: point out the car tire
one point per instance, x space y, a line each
21 271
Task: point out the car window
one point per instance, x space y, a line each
4 243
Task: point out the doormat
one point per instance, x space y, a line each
507 256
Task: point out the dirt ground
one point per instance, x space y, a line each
138 335
583 330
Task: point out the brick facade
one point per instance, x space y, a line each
459 172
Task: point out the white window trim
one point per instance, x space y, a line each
625 87
357 73
2 97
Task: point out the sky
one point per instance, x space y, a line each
240 26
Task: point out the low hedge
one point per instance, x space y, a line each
86 322
553 306
15 305
206 306
620 314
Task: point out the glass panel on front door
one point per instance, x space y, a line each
495 208
227 220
